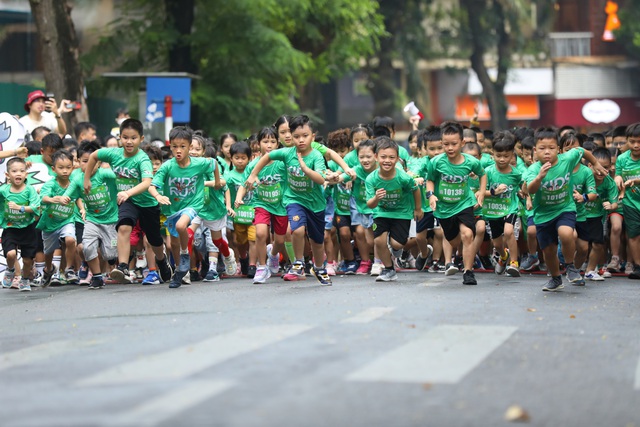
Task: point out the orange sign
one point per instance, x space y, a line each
521 107
613 23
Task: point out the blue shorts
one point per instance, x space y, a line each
428 222
171 221
299 216
547 232
329 213
365 220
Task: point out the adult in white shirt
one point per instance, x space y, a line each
36 106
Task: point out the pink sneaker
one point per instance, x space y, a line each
331 268
365 267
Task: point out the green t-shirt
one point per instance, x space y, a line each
607 191
420 169
340 193
487 160
351 159
359 189
628 169
451 183
214 205
555 195
130 171
269 189
321 148
224 166
13 218
583 182
245 212
54 215
184 186
101 204
300 188
398 202
506 203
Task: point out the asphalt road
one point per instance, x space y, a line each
424 351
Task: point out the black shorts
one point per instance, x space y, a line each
149 217
79 232
39 241
398 229
591 230
340 221
451 226
24 239
496 226
428 222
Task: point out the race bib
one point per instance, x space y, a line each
244 215
124 184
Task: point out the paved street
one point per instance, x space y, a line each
424 351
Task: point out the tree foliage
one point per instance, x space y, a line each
629 32
254 56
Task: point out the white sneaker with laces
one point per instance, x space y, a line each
594 276
376 269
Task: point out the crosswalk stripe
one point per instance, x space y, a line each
445 354
40 352
637 383
157 410
369 315
187 360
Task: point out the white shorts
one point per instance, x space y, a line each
103 236
215 225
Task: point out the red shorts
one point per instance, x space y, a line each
136 235
279 223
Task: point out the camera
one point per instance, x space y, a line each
50 96
73 105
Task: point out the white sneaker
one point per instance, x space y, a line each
376 269
230 263
607 274
594 276
141 260
262 274
331 268
273 261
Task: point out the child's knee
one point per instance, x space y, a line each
69 241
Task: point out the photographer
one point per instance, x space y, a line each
42 110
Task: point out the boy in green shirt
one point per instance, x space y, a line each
501 203
134 172
182 182
21 206
57 221
596 212
303 196
554 210
628 181
395 199
101 213
451 198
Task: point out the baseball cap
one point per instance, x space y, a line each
32 97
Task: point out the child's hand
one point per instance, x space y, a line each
250 182
22 152
351 173
630 183
529 204
619 182
433 202
83 214
480 198
238 203
544 169
500 189
14 206
418 214
600 170
28 165
87 187
419 181
302 163
380 193
577 197
56 200
122 197
607 206
332 178
163 200
64 200
231 212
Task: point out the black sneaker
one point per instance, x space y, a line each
194 275
451 269
244 266
468 278
251 271
176 280
635 274
120 274
46 277
421 263
96 282
554 284
164 269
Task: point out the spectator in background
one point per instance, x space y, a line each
85 131
40 132
44 111
121 115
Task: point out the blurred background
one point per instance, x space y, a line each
237 66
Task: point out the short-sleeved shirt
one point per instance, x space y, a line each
359 189
269 189
340 193
246 211
607 191
130 171
184 186
47 120
506 203
628 168
487 160
300 188
398 202
13 218
555 195
54 215
101 204
451 183
584 183
420 168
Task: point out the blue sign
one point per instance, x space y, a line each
179 89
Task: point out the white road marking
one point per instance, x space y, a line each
184 361
159 409
40 352
637 384
445 354
369 315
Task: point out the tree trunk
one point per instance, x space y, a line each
493 91
60 53
381 81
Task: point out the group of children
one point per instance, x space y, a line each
283 200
